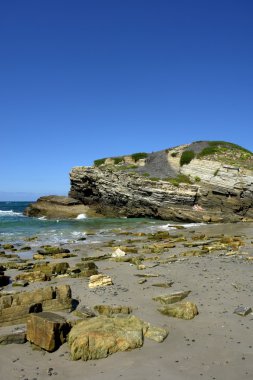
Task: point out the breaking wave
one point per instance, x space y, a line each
10 213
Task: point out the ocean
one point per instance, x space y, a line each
15 227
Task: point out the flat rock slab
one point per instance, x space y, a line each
47 330
101 336
172 298
98 280
14 334
111 310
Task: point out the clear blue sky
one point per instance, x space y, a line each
81 80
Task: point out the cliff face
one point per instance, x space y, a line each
216 191
228 196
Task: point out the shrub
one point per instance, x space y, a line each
216 172
138 156
99 162
181 178
154 179
186 157
117 160
174 154
197 179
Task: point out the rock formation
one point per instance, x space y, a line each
54 206
199 182
15 307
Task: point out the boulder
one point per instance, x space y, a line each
83 312
47 330
35 276
99 280
118 253
101 336
85 269
50 250
184 310
51 269
172 298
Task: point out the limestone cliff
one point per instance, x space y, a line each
202 181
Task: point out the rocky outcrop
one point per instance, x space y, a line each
15 307
206 181
54 206
131 195
220 194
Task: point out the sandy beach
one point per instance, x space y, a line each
216 344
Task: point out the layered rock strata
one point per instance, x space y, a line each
15 307
223 194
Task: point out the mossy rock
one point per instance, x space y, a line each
184 310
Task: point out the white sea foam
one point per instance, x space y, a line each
81 216
165 227
186 225
42 218
10 213
77 233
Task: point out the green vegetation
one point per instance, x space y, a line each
154 179
117 160
197 179
138 156
99 162
127 167
186 157
145 174
216 147
181 178
174 154
227 153
216 172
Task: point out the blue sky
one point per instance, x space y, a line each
81 80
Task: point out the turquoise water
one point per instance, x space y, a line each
15 227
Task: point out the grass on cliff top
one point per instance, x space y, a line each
99 162
221 146
119 159
228 153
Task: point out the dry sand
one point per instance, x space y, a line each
217 344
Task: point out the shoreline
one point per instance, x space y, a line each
216 344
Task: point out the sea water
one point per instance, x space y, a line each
15 228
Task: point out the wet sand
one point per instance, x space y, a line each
216 344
